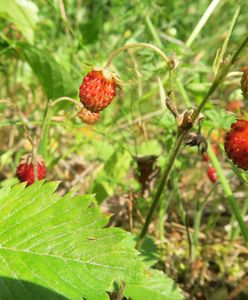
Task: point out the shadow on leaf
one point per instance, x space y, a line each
13 289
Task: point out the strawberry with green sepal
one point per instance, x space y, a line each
98 89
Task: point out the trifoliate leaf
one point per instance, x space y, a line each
60 243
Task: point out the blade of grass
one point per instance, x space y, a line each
183 92
202 22
236 230
153 32
221 53
228 192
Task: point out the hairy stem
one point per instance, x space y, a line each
160 189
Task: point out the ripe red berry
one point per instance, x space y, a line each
212 174
236 143
98 89
244 82
25 169
87 116
205 155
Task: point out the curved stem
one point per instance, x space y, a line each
55 102
50 106
138 45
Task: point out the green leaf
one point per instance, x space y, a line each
156 286
111 176
60 243
23 14
149 251
54 78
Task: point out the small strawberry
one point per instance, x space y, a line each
236 143
87 116
235 105
212 174
25 169
205 155
244 82
98 89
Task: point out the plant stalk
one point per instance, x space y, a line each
218 79
160 189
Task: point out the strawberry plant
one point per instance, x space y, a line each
123 159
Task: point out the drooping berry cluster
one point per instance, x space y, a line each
25 170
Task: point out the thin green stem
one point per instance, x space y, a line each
172 85
218 79
138 45
50 106
160 189
229 195
55 102
183 92
224 46
244 210
153 31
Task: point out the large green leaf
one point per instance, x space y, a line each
23 13
156 286
60 243
54 78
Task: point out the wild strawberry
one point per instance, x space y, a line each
25 169
205 155
235 105
212 174
98 89
244 82
87 116
236 143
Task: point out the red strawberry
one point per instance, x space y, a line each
236 143
87 116
244 82
98 89
25 169
205 155
212 174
